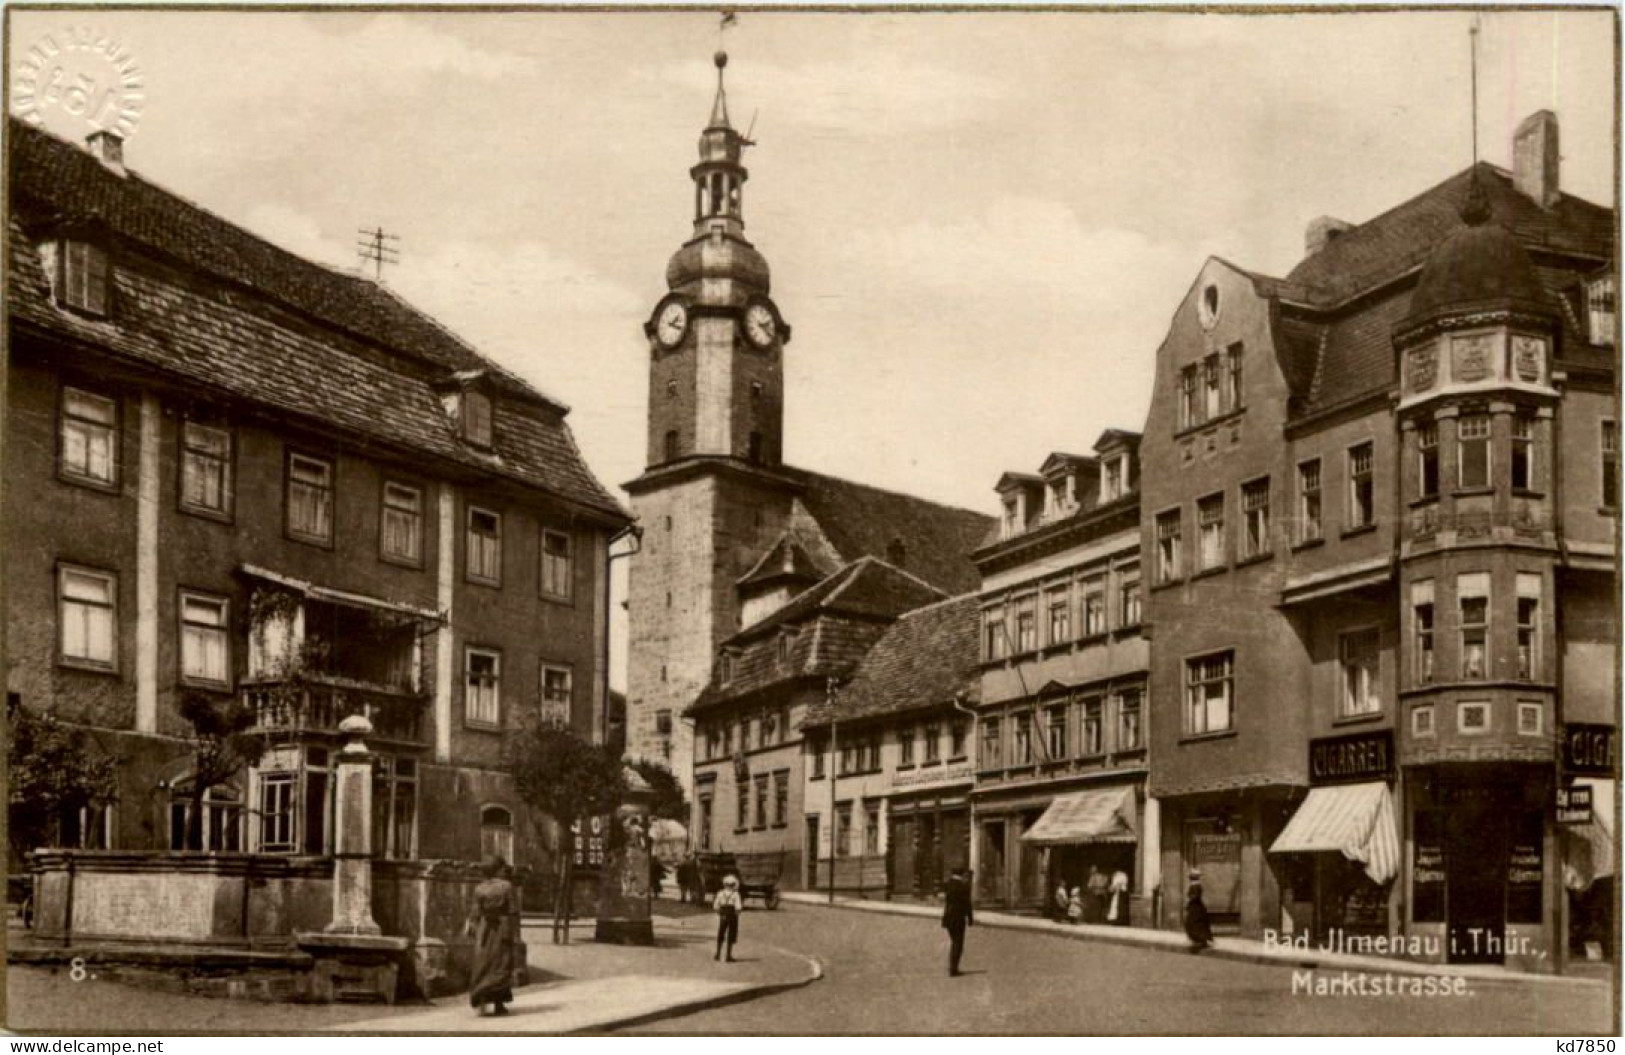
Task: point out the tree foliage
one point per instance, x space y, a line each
53 768
221 747
568 778
669 802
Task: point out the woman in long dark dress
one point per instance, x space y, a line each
491 921
1198 928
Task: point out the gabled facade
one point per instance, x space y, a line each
234 474
1063 670
1370 489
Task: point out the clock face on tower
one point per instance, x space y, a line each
760 325
672 324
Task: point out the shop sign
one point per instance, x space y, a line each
934 775
1588 749
589 844
1353 759
1524 875
1574 805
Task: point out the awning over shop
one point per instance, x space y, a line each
1105 815
1588 854
1355 820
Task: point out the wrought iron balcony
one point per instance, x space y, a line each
317 704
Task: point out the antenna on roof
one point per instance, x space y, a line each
379 247
1472 36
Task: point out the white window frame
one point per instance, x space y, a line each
482 703
401 508
80 610
88 423
1127 741
1360 685
1311 501
1466 707
1362 513
1094 614
1538 727
1422 723
1525 445
1483 433
195 633
320 493
480 547
1199 708
1255 518
1169 544
206 451
278 827
550 699
1092 726
1427 458
1210 534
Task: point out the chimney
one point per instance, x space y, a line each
1320 233
108 148
1535 158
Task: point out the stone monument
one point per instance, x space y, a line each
624 916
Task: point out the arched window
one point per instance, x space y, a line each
496 833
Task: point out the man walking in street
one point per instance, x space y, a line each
956 916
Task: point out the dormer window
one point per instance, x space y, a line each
477 418
1012 515
1060 495
84 277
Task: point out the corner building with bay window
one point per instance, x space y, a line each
1380 507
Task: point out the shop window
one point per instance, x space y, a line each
1473 451
1361 657
1472 596
1473 719
1168 546
1210 531
1210 693
88 439
482 696
1092 733
401 537
205 648
1427 457
1422 720
1531 719
87 614
206 485
1309 519
1362 487
310 499
496 833
1523 453
1427 867
1128 720
1255 518
1525 868
1094 606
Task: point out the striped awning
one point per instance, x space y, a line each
1355 820
1105 815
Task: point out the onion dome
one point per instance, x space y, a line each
1480 267
718 256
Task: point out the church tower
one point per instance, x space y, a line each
713 494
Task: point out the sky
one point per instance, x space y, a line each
979 223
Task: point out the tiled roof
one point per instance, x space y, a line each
832 626
1335 355
926 539
1388 245
927 658
787 559
233 341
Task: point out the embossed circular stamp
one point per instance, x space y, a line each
78 81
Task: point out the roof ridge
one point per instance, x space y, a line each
888 491
945 602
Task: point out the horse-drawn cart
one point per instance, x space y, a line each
758 874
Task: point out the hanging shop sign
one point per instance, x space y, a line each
1574 804
1352 759
1588 749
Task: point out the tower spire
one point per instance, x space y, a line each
719 109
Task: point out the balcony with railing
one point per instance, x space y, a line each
316 704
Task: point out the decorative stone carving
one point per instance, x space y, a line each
1422 368
1528 357
1472 358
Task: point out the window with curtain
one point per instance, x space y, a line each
87 610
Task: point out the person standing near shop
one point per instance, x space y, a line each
728 904
1117 903
1198 928
956 916
1094 907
